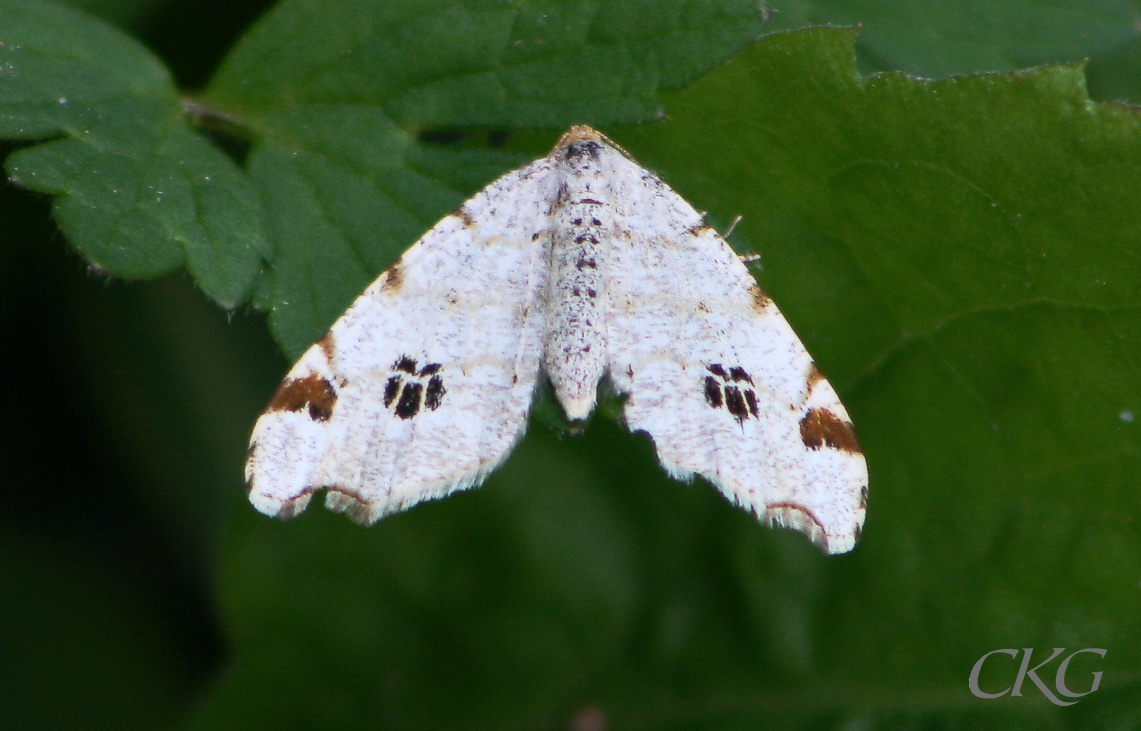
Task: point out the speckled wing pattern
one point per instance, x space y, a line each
580 265
423 386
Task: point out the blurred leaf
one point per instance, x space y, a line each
139 194
122 13
961 257
1117 76
939 38
961 37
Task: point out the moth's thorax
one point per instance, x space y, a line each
582 221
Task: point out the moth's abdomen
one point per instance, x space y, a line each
575 351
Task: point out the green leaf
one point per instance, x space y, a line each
961 258
490 63
936 39
336 94
139 193
939 39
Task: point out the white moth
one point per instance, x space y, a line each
580 265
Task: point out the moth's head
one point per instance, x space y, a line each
579 133
581 140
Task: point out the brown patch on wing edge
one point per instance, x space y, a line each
797 517
313 391
328 347
814 376
393 278
284 509
821 428
465 217
293 507
343 500
761 301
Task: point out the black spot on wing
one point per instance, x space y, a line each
718 370
390 390
751 400
409 403
735 403
713 392
738 374
411 389
740 401
435 393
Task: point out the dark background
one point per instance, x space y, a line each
119 395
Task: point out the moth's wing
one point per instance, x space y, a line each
717 377
423 386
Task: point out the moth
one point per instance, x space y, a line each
578 266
